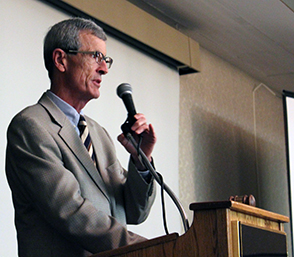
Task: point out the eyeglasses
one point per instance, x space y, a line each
99 57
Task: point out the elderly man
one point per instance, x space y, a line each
72 200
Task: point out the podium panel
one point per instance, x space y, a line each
254 241
220 229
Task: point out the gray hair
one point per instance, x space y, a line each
65 35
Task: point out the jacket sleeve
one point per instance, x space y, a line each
139 196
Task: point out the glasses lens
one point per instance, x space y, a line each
100 58
108 61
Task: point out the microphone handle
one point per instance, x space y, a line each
129 104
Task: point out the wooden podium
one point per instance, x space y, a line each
222 229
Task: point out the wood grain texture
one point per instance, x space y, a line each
212 233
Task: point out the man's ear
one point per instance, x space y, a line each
59 59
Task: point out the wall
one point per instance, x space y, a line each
231 138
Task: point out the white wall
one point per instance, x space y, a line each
289 104
23 79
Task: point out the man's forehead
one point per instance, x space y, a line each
89 40
89 36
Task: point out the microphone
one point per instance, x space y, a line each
124 91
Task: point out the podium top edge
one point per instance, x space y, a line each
210 205
239 207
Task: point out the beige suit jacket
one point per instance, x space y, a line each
63 205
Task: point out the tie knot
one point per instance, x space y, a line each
82 124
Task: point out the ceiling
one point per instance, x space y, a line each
257 36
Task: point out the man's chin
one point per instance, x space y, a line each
96 94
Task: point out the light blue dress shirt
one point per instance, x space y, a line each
70 112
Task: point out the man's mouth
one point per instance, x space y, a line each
97 82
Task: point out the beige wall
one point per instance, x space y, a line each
231 138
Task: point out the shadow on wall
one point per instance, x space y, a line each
224 158
228 160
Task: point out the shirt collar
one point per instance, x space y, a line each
67 109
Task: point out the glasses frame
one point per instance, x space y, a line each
99 57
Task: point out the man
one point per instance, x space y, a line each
69 202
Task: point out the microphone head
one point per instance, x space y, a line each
123 89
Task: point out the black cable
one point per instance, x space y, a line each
163 203
161 187
139 143
157 176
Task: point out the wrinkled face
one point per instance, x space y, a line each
84 74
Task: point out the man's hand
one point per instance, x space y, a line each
148 139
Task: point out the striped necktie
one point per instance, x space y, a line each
85 136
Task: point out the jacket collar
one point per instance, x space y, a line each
69 136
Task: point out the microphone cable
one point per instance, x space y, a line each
161 189
150 167
163 203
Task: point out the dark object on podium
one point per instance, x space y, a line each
250 200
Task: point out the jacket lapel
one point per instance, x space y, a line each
70 137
